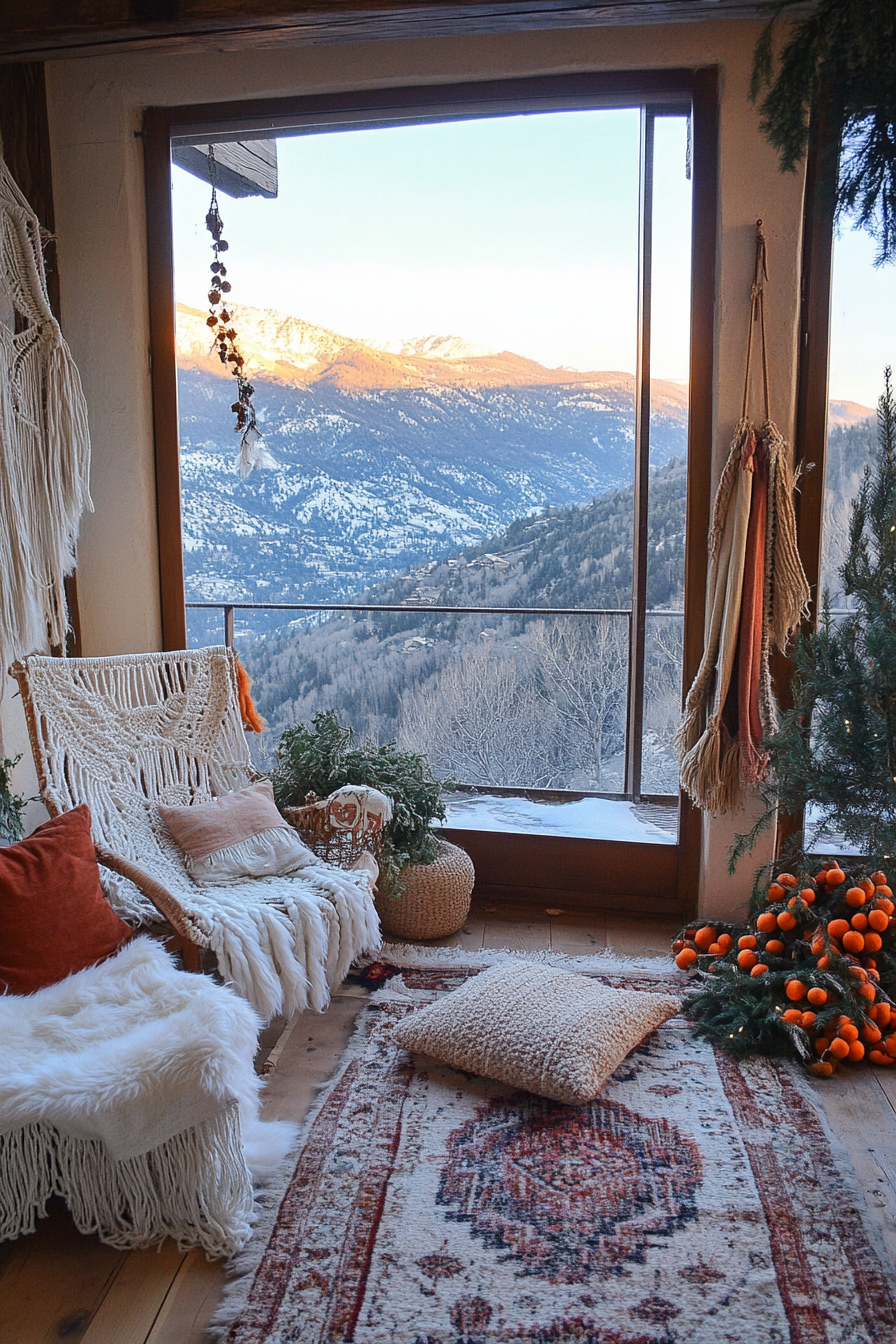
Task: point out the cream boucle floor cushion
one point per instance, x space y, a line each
547 1031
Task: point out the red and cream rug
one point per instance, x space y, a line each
697 1199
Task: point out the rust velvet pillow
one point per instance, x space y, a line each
54 918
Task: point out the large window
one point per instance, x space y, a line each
469 336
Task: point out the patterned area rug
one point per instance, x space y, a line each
697 1199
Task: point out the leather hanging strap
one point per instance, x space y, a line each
757 318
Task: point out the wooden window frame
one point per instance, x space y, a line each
580 873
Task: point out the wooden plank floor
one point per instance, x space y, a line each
58 1287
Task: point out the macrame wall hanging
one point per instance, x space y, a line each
758 593
44 443
253 450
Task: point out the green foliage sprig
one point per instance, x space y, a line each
325 755
11 804
839 60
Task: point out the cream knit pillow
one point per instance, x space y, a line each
547 1031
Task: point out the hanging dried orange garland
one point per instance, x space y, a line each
253 452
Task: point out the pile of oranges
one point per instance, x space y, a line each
816 944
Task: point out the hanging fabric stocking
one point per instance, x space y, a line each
758 594
44 442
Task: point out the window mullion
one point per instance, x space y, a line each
637 641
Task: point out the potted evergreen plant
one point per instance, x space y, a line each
425 882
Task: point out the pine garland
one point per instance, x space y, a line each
840 60
806 976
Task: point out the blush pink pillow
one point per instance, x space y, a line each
236 836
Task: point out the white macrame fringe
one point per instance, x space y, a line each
195 1187
44 444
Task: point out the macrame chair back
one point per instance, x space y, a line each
126 733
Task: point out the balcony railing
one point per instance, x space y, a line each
636 689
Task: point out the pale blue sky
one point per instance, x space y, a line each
863 319
518 233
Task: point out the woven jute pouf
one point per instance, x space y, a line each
436 897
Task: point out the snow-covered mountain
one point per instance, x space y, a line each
385 457
432 347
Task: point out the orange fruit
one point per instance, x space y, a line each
839 1048
806 1020
882 903
858 973
774 947
725 941
835 877
878 1057
879 879
871 1034
867 886
822 1069
867 991
767 921
686 957
776 892
880 1013
714 950
859 922
818 947
795 990
786 920
747 959
883 890
817 996
848 1032
856 896
853 941
705 937
823 963
856 1051
759 969
838 927
822 1043
791 1015
821 877
786 880
747 941
877 920
808 895
890 1045
873 942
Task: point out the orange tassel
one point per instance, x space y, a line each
252 720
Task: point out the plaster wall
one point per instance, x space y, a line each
95 109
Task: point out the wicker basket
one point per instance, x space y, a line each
341 848
436 897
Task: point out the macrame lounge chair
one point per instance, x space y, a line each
126 733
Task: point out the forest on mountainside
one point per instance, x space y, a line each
519 700
504 699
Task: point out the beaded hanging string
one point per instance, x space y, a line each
253 451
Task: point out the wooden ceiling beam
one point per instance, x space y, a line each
44 29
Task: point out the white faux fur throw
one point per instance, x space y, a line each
129 1089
